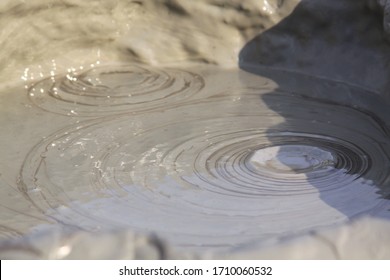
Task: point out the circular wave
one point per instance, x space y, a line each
216 172
114 89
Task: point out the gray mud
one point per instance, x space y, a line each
194 129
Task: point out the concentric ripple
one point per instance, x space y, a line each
217 172
114 89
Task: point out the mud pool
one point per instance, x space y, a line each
194 129
204 163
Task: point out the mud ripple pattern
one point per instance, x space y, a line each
234 173
115 89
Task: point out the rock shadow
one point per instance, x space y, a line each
330 60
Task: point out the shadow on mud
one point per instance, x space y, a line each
330 60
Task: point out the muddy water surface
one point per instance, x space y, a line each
204 157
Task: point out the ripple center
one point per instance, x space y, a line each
291 158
